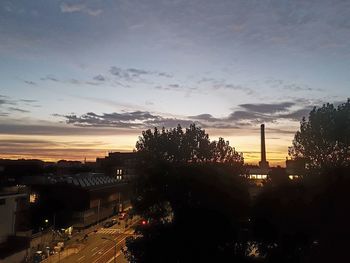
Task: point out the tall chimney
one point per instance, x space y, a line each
263 148
263 163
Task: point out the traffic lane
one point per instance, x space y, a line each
96 246
100 250
93 246
109 254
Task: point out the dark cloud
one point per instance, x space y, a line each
164 74
50 78
28 101
290 86
268 107
130 120
298 114
4 100
270 112
135 74
247 115
170 87
99 78
120 120
204 117
15 109
130 74
168 122
29 82
10 105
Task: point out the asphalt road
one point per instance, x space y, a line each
99 250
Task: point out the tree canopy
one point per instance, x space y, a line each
179 146
324 138
189 192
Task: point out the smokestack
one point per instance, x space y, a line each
263 148
263 163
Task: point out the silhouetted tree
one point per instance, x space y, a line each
191 196
177 146
324 138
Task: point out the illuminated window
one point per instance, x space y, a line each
33 198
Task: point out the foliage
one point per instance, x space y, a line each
179 146
194 212
324 139
189 191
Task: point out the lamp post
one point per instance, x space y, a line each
115 247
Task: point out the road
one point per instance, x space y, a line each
99 250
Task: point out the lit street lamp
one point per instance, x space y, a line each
115 247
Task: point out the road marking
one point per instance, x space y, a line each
118 254
81 258
109 250
93 249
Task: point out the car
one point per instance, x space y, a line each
108 224
123 216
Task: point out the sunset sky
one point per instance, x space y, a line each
81 78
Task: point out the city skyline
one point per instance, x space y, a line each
81 78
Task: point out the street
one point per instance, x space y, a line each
100 246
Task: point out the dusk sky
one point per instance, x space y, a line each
81 78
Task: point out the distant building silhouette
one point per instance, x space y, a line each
261 172
120 165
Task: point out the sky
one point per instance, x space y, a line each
79 79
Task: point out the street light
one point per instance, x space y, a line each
115 247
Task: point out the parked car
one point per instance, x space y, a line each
123 215
108 224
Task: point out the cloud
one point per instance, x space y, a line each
4 100
51 78
204 117
73 8
28 101
270 112
118 120
166 75
14 109
30 82
268 108
298 114
136 74
290 86
130 74
168 122
246 115
99 78
10 105
222 84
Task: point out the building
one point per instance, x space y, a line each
295 168
118 165
76 200
14 232
261 172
